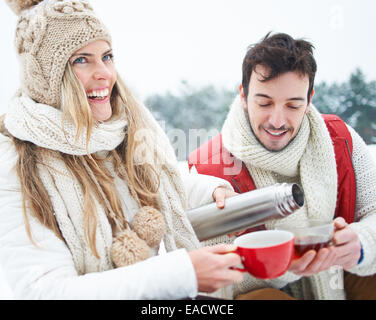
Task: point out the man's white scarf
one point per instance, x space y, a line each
309 159
42 125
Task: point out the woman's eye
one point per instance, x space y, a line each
108 57
79 60
264 105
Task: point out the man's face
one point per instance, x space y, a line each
276 107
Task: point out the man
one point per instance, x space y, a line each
273 134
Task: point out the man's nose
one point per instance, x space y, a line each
277 118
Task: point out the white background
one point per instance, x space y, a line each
159 43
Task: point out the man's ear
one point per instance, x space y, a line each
241 93
310 99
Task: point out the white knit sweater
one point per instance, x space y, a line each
329 284
55 269
48 271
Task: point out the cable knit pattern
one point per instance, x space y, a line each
308 160
39 124
47 35
157 149
365 225
67 198
327 284
43 125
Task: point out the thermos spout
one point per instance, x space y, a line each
246 210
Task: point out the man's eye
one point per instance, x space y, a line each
264 105
79 60
294 107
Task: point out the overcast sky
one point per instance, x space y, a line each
159 43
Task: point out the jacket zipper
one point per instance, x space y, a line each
352 163
236 186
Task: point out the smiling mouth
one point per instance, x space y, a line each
276 133
98 95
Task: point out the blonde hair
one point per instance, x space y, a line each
89 170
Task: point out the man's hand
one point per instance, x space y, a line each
313 262
220 194
346 243
344 252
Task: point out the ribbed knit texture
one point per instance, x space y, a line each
308 160
51 132
33 122
47 35
365 210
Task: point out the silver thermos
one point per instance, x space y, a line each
246 210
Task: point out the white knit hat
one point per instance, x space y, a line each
48 33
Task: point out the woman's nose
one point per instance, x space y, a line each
101 72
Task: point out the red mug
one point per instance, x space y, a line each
265 254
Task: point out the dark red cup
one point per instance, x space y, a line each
265 254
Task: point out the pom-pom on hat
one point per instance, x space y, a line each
48 33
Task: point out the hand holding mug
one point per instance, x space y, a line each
213 267
344 250
347 244
312 250
266 254
312 262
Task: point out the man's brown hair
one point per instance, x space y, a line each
280 53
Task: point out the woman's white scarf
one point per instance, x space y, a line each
308 158
42 125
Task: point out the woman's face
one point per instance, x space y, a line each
93 66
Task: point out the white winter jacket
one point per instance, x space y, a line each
48 272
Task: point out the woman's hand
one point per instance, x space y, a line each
220 194
213 267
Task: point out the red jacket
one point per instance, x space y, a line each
213 159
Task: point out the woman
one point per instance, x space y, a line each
90 185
